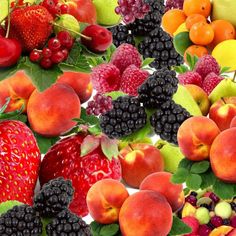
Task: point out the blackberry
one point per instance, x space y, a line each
21 220
120 34
158 88
126 117
167 120
151 20
54 197
159 45
226 221
67 223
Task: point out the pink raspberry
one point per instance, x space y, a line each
131 79
126 55
206 65
105 78
193 223
210 82
190 77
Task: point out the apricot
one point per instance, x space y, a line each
223 156
50 112
145 213
104 200
161 182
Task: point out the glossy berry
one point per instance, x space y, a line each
65 53
46 63
35 55
54 44
64 9
57 57
233 221
193 194
191 199
47 53
65 39
214 197
216 221
204 230
50 5
226 221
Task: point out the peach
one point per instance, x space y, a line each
232 232
138 160
145 213
80 82
161 182
233 122
195 137
50 112
104 200
223 156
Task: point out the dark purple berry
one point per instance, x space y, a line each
204 230
216 221
214 198
191 199
233 221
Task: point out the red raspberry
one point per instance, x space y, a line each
190 77
210 82
206 65
126 55
105 78
131 79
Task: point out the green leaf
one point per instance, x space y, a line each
179 227
191 60
200 167
109 147
185 163
179 176
21 117
224 190
89 144
193 181
138 40
109 230
181 69
89 119
186 191
95 228
147 61
5 73
224 70
45 222
208 179
95 61
109 53
115 94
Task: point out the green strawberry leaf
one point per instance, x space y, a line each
224 70
109 147
208 179
179 227
193 181
147 61
115 94
89 144
181 69
224 190
180 176
200 167
191 60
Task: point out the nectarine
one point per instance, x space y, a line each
233 122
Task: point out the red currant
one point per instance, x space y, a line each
46 63
35 55
54 44
65 53
57 57
47 53
64 9
64 37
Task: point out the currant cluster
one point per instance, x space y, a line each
132 9
55 7
56 51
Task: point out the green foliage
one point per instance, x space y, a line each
179 227
105 230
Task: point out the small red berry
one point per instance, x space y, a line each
47 53
46 63
35 55
54 44
65 53
57 57
64 9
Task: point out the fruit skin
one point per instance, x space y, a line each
191 222
233 122
232 232
194 18
210 82
104 200
47 113
222 230
7 205
182 42
195 137
223 156
161 182
190 77
149 221
19 162
80 82
138 161
202 7
223 209
197 50
223 111
202 215
188 210
200 96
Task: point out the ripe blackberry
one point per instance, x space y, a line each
159 45
167 120
21 220
158 88
54 197
121 34
67 223
151 20
126 117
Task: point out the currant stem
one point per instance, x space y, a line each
8 19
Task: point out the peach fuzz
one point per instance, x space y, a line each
145 213
195 137
161 182
104 200
223 156
50 112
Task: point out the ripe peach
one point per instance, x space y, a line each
195 137
104 200
50 112
80 82
161 182
145 213
223 156
233 122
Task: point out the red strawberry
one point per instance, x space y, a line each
19 162
31 26
64 159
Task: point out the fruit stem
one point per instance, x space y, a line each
223 100
8 19
130 146
72 31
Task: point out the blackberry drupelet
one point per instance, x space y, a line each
21 220
151 20
54 197
126 117
159 45
158 88
120 34
167 120
67 223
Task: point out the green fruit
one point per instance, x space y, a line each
223 209
185 99
204 200
4 9
202 215
68 22
123 144
5 206
182 42
171 155
106 12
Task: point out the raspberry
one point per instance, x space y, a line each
131 79
210 82
206 65
193 223
126 55
190 77
105 78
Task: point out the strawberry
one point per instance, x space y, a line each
31 26
19 162
81 159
